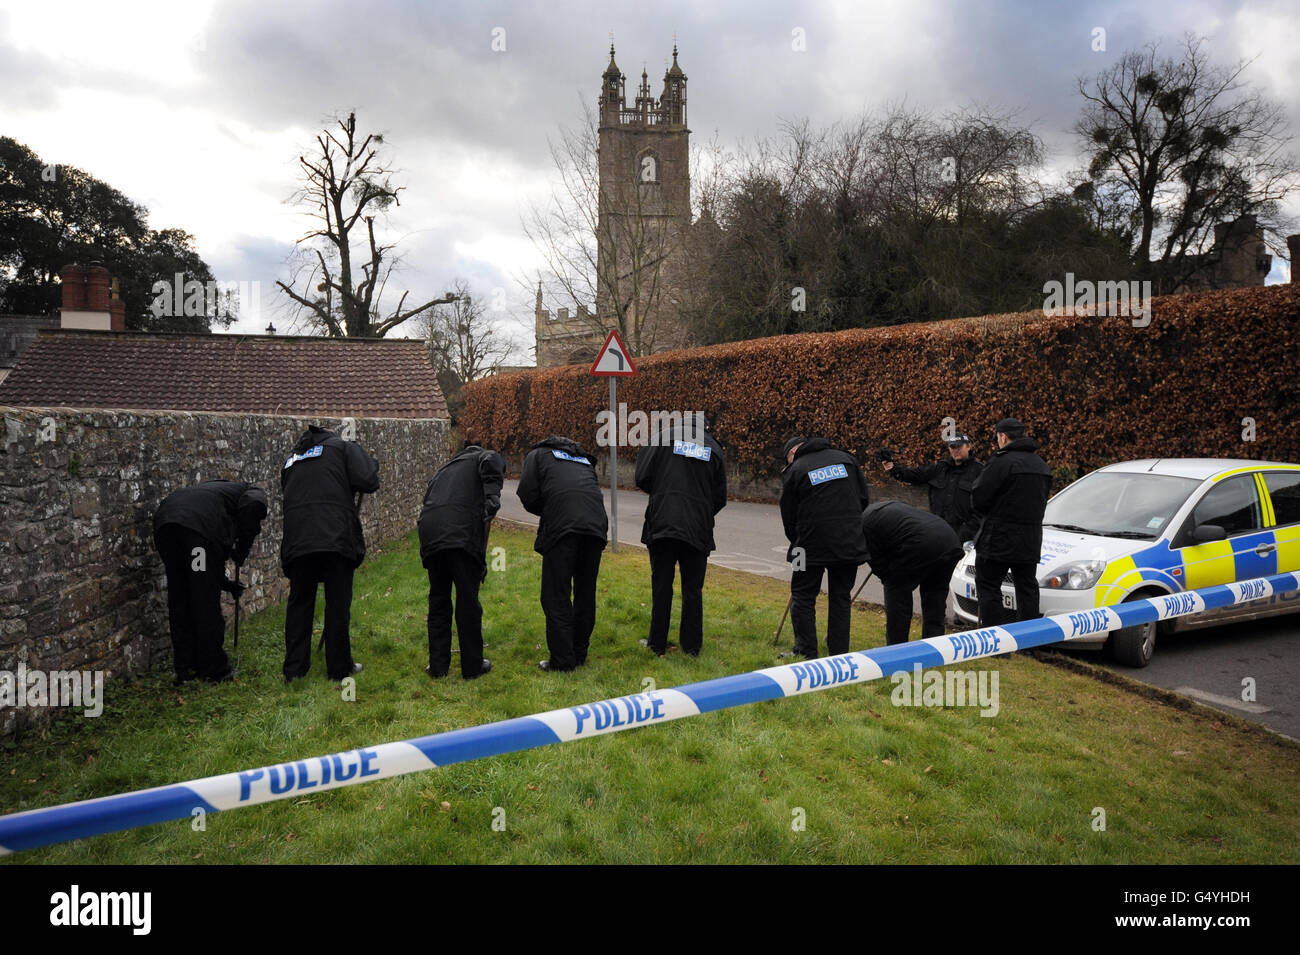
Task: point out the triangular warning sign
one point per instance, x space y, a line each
613 358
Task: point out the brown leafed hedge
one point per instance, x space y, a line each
1092 390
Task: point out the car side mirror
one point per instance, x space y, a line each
1205 533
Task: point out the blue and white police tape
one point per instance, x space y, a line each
40 827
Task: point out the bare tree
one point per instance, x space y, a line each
345 184
462 340
1185 145
891 216
464 345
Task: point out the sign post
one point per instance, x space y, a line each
613 466
613 363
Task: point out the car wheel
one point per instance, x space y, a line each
1134 646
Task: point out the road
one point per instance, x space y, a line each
1208 666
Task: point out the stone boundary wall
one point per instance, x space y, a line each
81 586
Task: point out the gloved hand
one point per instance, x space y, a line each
884 454
483 578
232 587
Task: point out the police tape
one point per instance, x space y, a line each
63 823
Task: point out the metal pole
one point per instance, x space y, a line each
613 465
236 596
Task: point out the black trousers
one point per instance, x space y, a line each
463 570
194 603
569 571
988 584
805 585
933 581
305 573
665 555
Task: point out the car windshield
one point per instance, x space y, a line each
1119 504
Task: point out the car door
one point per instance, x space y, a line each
1282 499
1235 504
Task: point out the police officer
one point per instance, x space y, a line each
195 530
823 494
950 482
464 495
322 543
910 548
559 484
686 478
1009 497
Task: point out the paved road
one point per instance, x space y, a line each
1207 666
1210 666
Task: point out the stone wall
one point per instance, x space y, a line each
81 586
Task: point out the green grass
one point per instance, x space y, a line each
875 782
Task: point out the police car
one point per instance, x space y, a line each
1159 526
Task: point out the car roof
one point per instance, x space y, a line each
1198 468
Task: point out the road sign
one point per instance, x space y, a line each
613 360
613 363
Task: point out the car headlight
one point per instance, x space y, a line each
1079 575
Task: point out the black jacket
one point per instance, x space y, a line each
461 498
558 483
823 494
903 541
1009 497
319 480
687 484
227 513
950 485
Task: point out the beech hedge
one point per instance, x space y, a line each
1210 372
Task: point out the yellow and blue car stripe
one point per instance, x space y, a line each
1215 562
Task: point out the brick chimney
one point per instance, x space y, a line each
73 279
98 282
1293 244
87 299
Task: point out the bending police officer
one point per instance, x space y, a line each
686 478
463 496
910 548
323 543
558 483
195 530
823 495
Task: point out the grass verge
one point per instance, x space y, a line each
842 776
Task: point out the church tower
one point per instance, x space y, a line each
645 206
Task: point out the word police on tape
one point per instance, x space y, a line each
39 827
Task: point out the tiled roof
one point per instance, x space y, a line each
255 374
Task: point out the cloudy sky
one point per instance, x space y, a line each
199 109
